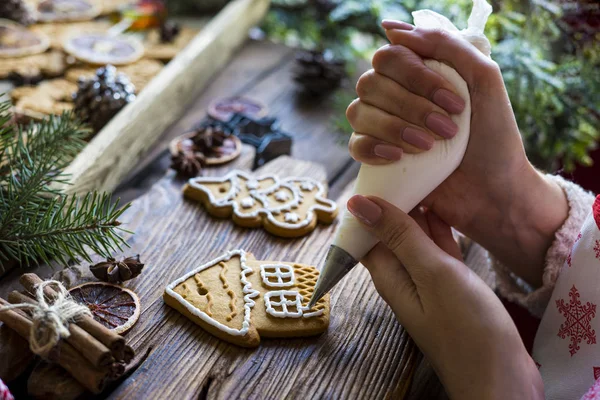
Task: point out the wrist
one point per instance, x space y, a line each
524 222
544 210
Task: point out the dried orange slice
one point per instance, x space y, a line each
18 41
113 306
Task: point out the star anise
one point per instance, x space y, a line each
187 163
117 271
208 138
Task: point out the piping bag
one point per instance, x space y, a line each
407 182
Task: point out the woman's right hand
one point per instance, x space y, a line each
453 316
496 196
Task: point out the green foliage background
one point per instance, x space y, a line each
550 69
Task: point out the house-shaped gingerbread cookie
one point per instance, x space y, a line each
240 299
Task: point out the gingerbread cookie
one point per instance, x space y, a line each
59 32
240 299
157 49
18 41
51 97
33 68
140 73
289 207
66 10
102 48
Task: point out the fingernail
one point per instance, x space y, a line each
448 101
392 24
417 138
388 152
441 125
364 209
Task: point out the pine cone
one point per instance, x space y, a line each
187 163
169 31
16 10
113 271
100 98
318 73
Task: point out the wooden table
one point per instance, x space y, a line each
365 353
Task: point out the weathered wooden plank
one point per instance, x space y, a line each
364 352
109 156
253 63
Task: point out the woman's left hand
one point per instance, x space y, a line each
453 316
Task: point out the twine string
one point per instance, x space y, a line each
50 321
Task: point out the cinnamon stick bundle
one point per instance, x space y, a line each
92 349
110 339
92 378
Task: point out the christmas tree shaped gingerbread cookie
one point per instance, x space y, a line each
289 207
240 299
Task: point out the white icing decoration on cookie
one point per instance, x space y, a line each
278 299
312 314
291 217
252 184
307 186
247 202
282 196
277 275
249 294
290 185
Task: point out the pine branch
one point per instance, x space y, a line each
62 229
37 222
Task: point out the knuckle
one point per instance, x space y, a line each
490 68
393 128
437 35
382 57
487 74
365 83
352 111
416 79
352 144
395 235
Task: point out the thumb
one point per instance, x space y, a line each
400 233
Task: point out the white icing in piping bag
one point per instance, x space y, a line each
408 181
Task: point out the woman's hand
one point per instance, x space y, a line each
496 196
453 316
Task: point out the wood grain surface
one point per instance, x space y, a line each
364 342
364 354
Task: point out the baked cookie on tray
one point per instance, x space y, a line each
33 68
58 32
18 41
289 207
51 97
66 10
157 49
240 299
